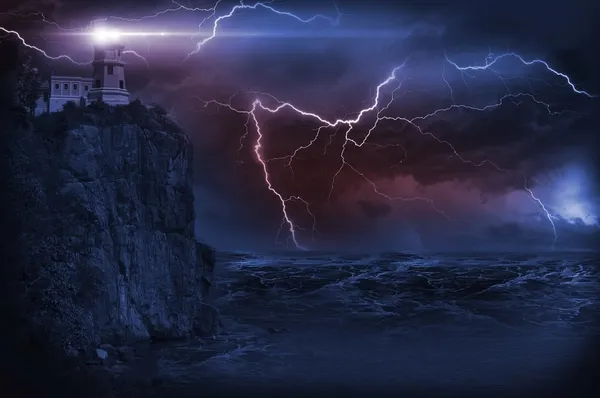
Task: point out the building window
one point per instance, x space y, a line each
85 87
97 84
119 53
110 69
121 84
56 86
75 86
66 86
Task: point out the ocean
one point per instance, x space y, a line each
393 323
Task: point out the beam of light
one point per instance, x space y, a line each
103 35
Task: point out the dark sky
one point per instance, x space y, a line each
544 136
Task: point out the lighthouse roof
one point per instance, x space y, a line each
109 46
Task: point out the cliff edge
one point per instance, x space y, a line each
106 197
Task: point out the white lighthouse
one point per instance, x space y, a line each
107 82
108 76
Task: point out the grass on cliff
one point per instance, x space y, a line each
101 114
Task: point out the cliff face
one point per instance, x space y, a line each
108 206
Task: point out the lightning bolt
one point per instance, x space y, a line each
492 60
549 216
43 19
347 124
44 53
178 7
137 55
264 5
379 108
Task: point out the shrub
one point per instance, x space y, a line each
99 106
27 84
53 125
159 110
69 106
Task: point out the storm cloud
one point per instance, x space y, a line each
409 180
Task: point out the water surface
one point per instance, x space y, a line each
393 322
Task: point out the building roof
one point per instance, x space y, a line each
79 78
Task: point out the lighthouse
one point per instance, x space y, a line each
108 76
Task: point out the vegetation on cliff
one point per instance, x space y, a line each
100 114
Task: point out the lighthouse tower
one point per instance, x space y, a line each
109 75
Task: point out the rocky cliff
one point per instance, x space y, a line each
106 197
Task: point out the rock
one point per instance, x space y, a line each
109 349
126 354
101 354
113 209
206 322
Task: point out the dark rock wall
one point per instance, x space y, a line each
111 253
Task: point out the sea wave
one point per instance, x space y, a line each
396 289
322 317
